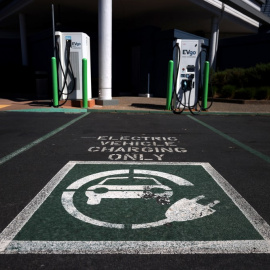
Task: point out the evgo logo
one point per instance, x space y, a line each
189 52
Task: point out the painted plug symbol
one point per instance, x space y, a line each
186 209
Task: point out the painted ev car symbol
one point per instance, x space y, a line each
108 190
115 184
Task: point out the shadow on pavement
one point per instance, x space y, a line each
148 106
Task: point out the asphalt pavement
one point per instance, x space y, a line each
68 198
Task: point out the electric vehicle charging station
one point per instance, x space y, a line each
71 48
188 74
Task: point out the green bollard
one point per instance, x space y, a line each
54 83
205 84
169 85
84 83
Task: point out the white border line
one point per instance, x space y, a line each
9 246
22 218
250 213
139 247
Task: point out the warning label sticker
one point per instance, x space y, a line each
111 207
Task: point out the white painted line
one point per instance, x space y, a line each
9 246
139 247
254 218
41 139
17 223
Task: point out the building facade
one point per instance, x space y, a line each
138 45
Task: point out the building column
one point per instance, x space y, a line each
214 42
23 36
105 53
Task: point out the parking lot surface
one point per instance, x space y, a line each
134 190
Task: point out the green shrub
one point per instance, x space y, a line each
244 93
249 82
227 91
263 72
213 90
262 93
218 79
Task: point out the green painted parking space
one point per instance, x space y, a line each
137 207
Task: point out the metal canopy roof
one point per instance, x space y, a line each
248 10
188 15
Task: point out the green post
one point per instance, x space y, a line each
84 83
169 85
54 83
205 84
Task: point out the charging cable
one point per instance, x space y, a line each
68 73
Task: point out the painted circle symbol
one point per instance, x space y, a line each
102 190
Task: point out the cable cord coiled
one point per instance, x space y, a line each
67 73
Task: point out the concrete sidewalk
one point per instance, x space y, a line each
138 104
